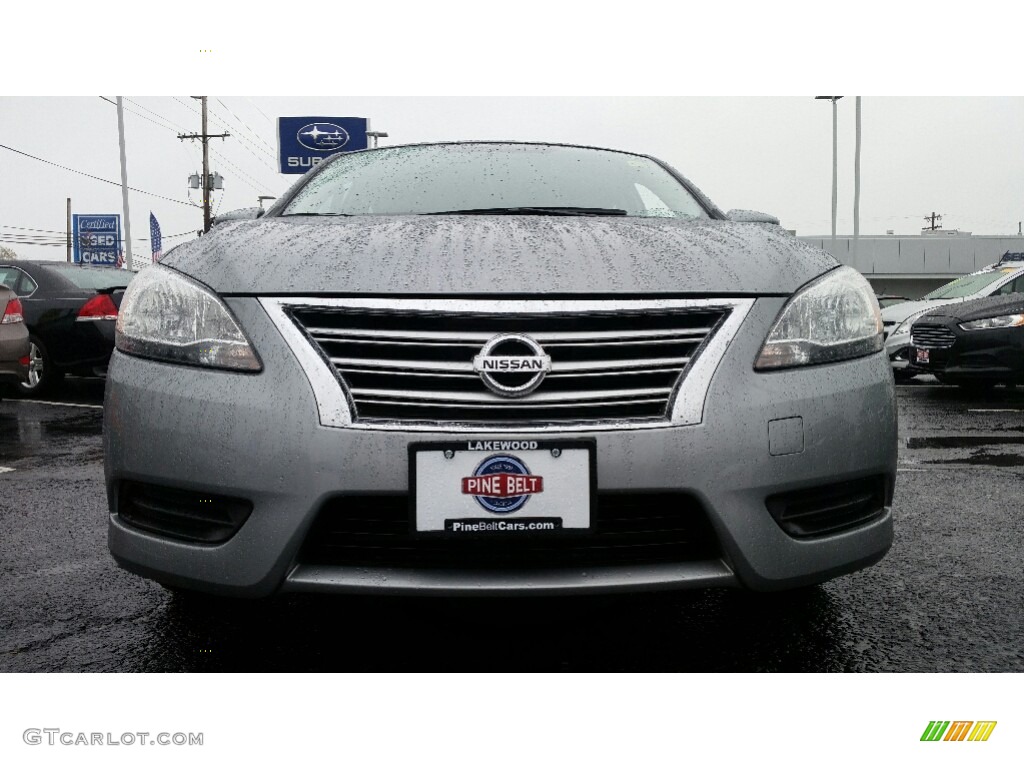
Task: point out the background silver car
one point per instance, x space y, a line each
14 346
487 368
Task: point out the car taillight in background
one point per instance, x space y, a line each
99 307
13 312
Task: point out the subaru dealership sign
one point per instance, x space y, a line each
305 141
97 238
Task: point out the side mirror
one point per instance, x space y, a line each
751 217
239 214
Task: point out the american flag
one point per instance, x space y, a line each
154 238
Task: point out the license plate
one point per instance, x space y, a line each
921 356
502 487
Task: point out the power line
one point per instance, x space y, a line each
190 157
156 114
242 174
89 175
242 137
62 236
154 122
176 129
62 242
30 229
246 126
260 111
224 159
218 119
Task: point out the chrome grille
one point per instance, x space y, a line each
416 367
932 337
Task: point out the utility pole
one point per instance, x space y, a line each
124 188
935 217
205 138
69 230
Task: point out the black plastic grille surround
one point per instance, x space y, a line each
181 514
417 367
628 528
830 509
932 336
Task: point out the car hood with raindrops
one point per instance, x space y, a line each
446 255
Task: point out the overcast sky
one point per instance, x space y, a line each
961 157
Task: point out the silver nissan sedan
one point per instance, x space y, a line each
492 368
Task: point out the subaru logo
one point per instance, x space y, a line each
322 137
512 365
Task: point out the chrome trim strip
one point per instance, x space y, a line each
333 404
304 577
429 366
473 398
364 335
327 387
692 390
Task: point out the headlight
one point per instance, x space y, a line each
905 325
836 317
1003 321
166 316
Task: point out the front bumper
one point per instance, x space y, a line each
258 437
87 348
990 355
897 349
14 347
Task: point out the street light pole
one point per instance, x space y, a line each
856 185
835 164
124 187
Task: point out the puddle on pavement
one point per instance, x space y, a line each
983 458
38 433
963 441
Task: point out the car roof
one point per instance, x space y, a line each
50 275
1009 260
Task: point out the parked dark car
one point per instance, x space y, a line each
70 312
13 339
976 344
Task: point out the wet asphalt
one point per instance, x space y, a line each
948 597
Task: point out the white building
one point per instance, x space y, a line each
913 265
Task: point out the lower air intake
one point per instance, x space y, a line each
181 514
628 528
829 509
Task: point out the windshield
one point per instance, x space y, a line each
494 178
965 286
96 278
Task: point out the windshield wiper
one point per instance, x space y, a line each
534 211
314 214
